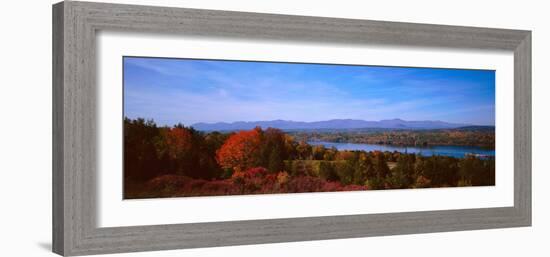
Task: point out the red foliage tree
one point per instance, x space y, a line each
241 150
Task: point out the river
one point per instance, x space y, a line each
443 150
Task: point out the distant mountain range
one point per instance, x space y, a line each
328 124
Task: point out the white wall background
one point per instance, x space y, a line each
25 129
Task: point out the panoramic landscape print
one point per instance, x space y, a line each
215 127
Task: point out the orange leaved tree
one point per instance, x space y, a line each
178 142
241 150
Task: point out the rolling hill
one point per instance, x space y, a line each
328 124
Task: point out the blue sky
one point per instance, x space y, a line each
187 91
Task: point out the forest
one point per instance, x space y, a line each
482 136
179 161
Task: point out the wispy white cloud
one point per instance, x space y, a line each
188 91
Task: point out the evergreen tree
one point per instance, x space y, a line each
275 161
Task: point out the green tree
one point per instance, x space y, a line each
318 152
375 183
326 171
275 161
344 171
330 154
304 151
381 168
402 175
362 166
378 172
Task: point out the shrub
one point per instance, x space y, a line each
326 171
345 172
422 182
376 183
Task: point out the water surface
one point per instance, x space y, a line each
442 150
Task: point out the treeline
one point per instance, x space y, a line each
150 151
394 170
181 161
460 137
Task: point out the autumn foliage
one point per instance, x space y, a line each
240 151
181 161
177 142
252 181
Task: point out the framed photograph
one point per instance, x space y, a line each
183 128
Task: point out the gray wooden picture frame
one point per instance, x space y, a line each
75 25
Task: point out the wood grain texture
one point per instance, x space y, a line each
522 128
57 124
74 121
